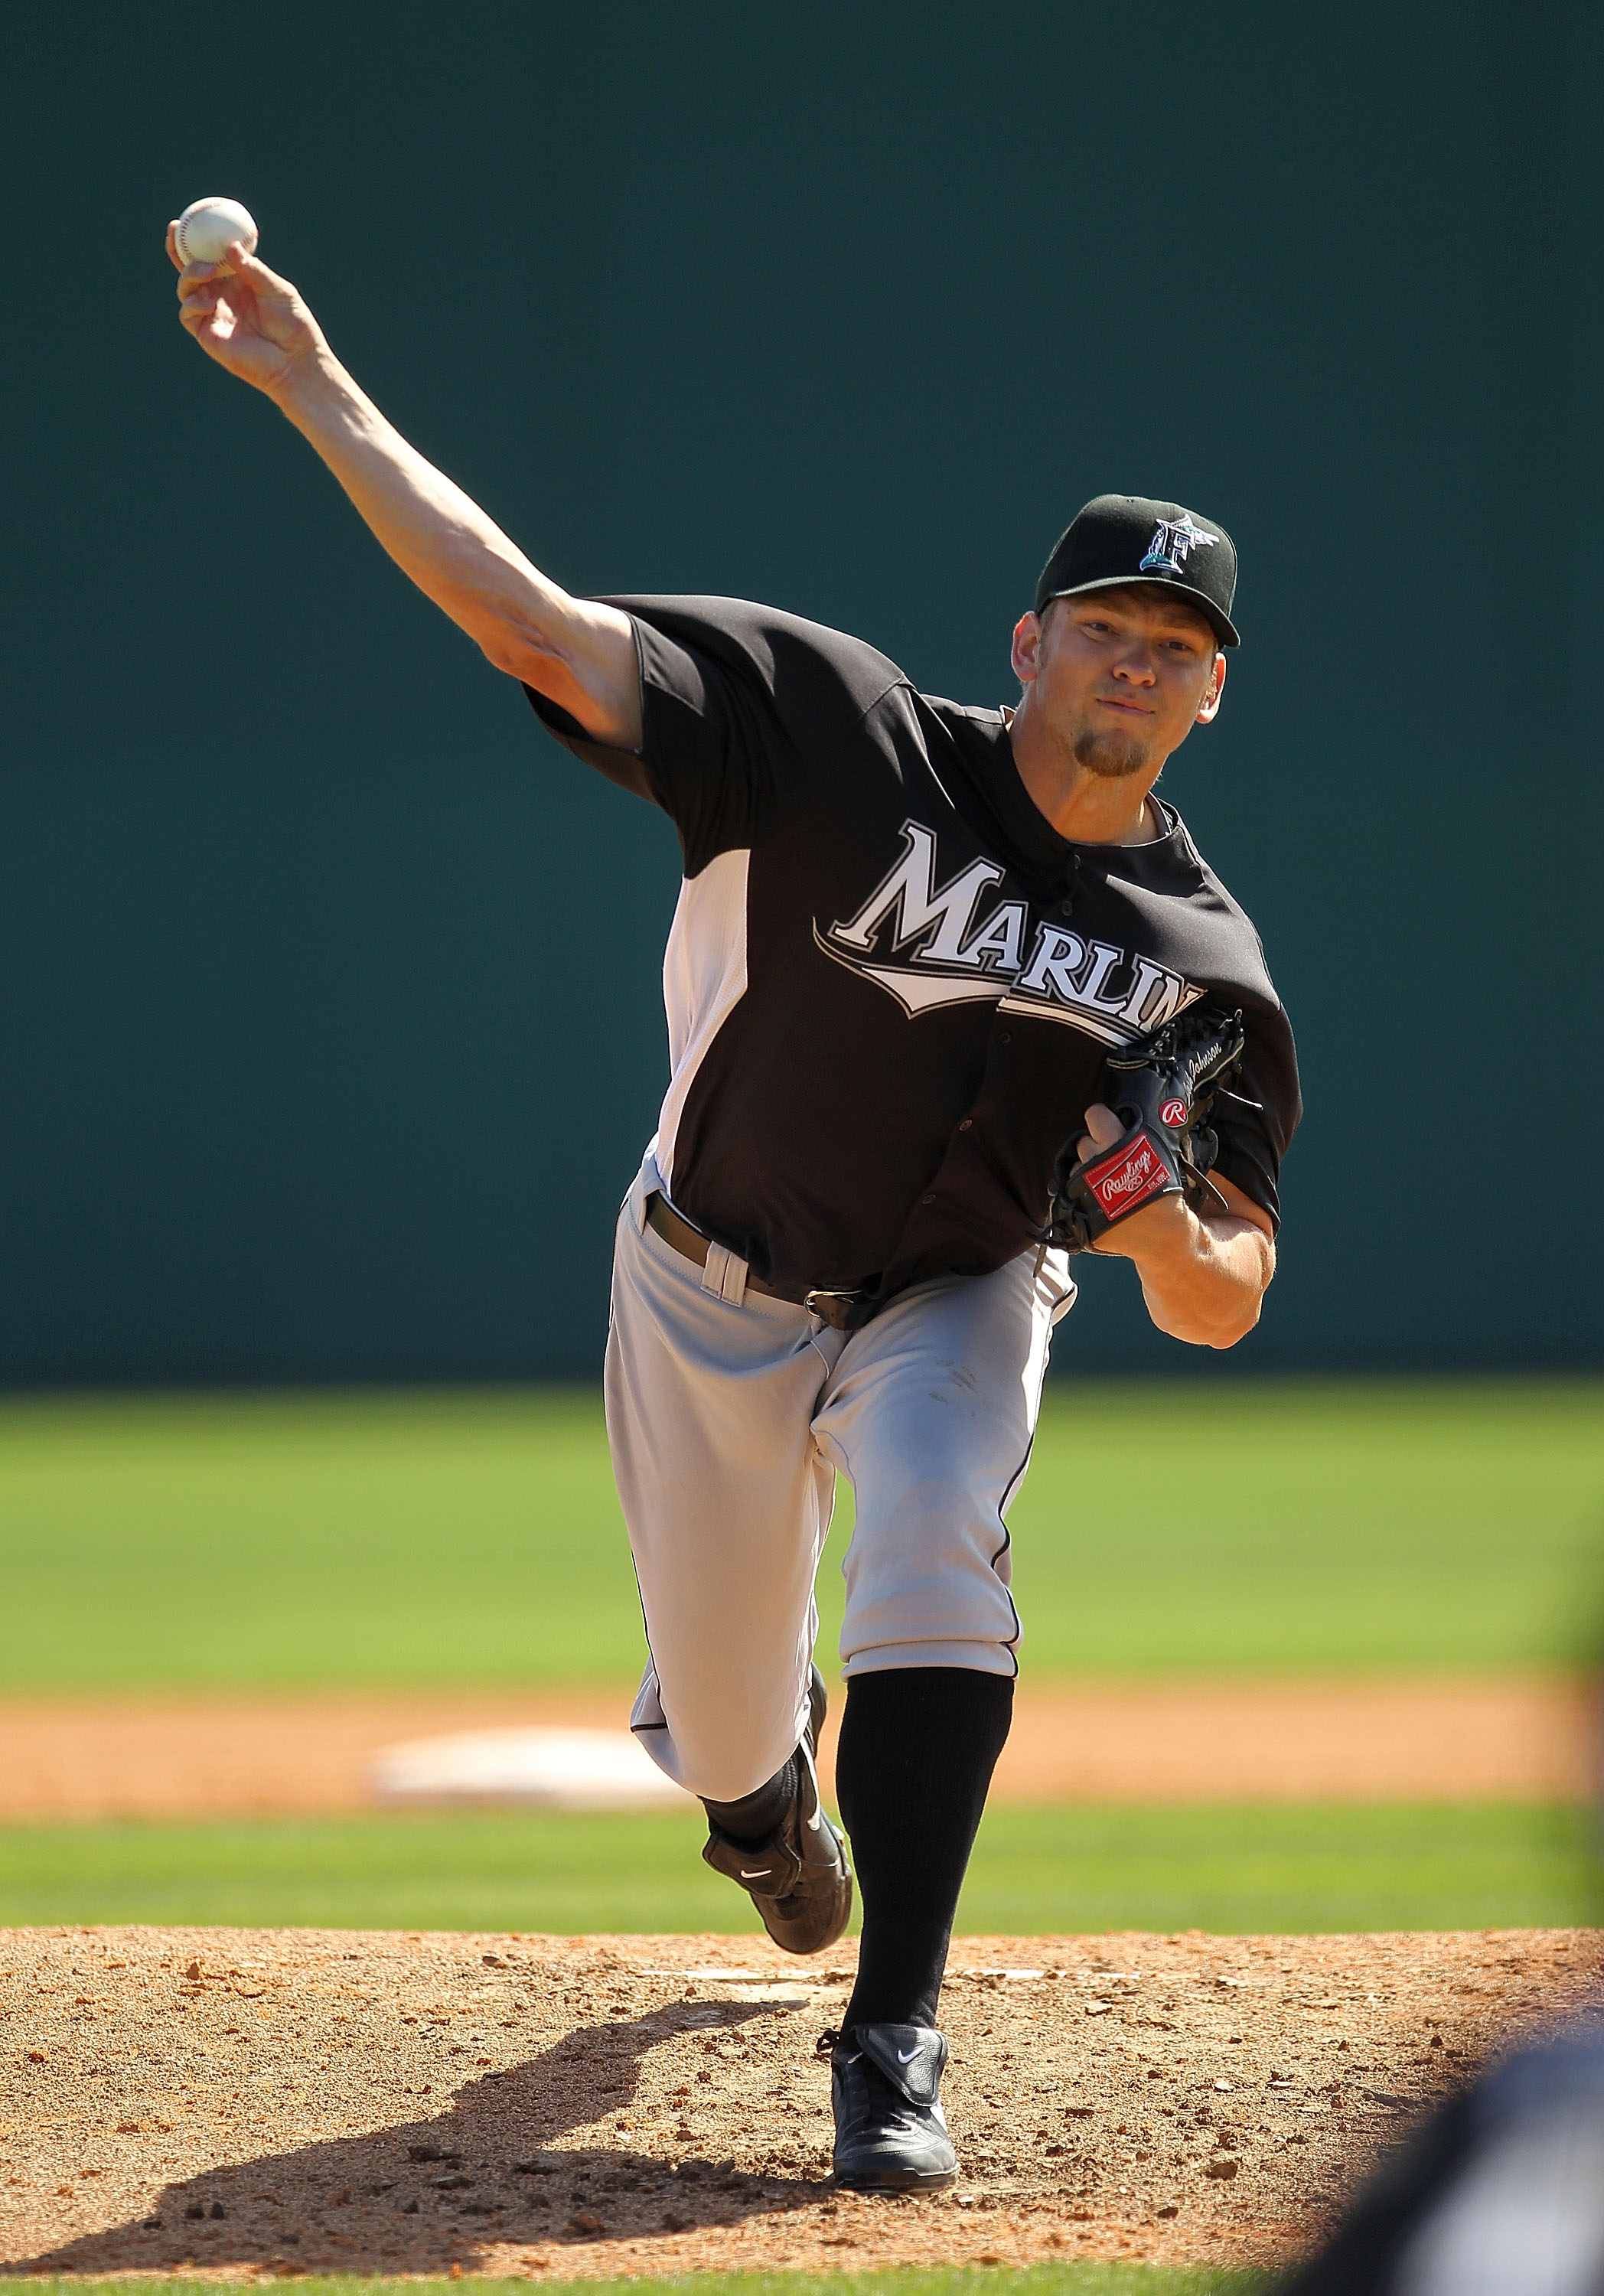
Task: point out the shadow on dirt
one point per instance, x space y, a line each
426 2195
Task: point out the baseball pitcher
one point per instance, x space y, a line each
952 997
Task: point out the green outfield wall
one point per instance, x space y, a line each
329 1013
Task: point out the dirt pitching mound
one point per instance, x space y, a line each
239 2101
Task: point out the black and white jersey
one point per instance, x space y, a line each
891 985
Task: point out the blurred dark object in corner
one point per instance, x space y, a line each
1502 2191
1501 2194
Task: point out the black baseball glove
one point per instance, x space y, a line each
1162 1090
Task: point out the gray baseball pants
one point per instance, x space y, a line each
730 1415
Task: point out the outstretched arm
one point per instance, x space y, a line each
1204 1275
579 654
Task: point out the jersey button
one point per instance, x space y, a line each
966 1124
1003 1037
928 1199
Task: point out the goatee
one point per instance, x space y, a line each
1111 756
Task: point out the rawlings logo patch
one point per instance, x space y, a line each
1174 1111
1128 1178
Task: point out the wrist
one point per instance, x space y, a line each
1162 1236
311 385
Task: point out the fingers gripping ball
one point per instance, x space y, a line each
208 229
1162 1091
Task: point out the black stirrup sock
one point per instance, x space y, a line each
918 1747
754 1817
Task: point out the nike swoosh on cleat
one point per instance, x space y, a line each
906 2056
761 1874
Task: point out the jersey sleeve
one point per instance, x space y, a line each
744 708
1256 1120
713 752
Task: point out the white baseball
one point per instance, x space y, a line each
208 229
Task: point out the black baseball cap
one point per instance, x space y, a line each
1122 538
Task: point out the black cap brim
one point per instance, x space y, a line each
1221 623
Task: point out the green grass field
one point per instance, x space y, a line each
1034 1872
430 1539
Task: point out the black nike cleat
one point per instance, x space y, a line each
798 1876
885 2091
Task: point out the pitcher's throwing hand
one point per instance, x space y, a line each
245 317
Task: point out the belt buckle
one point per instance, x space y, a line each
838 1309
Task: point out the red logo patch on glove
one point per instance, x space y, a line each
1127 1179
1174 1111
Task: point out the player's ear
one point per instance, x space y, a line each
1027 648
1209 708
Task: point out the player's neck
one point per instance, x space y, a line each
1084 807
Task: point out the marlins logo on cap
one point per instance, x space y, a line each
1174 541
1120 538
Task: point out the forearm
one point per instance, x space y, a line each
435 533
1204 1278
580 654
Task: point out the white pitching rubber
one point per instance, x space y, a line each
559 1769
